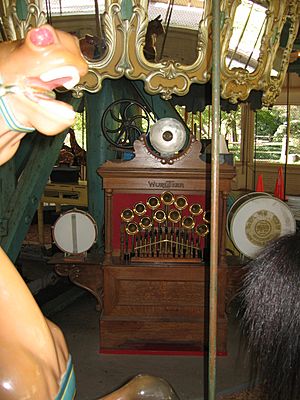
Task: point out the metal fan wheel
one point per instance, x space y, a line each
123 122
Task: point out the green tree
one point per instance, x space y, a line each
267 122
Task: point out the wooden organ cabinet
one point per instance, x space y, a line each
155 269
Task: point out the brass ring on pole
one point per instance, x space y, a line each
188 222
206 217
159 216
174 216
145 223
202 230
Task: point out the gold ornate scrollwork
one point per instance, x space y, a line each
282 56
125 57
112 64
167 77
125 24
16 28
238 81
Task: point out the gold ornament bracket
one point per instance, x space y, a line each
125 24
15 28
237 82
125 57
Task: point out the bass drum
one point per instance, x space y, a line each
255 220
75 232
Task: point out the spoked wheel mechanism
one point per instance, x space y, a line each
123 122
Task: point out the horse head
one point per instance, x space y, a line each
155 26
45 60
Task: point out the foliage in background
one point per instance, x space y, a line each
267 122
271 134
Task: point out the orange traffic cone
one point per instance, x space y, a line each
260 184
279 186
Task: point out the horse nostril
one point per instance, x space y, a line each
41 37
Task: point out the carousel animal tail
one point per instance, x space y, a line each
271 317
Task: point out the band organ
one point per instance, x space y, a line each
165 227
157 236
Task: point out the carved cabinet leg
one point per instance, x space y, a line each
86 276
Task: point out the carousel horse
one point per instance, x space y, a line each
35 363
271 317
92 47
154 30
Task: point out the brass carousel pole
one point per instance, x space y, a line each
213 288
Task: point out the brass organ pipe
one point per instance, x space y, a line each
213 284
196 209
127 215
181 203
140 209
167 198
206 217
153 202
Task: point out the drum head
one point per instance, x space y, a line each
75 232
238 202
257 222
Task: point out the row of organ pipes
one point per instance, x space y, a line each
166 227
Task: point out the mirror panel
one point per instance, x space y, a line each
251 56
247 31
125 25
180 21
256 43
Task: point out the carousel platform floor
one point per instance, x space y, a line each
74 310
99 374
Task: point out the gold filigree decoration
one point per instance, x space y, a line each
126 40
110 66
16 28
274 84
238 82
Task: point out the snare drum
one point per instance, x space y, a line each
255 220
75 232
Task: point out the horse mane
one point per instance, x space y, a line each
270 306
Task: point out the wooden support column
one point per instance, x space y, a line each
24 200
7 187
19 207
98 150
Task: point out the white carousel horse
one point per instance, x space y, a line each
34 359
